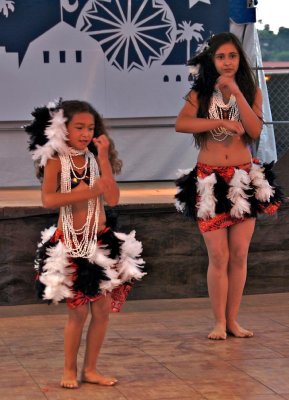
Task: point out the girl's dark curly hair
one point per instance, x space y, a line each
72 107
205 81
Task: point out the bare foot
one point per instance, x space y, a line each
94 377
218 333
236 330
69 380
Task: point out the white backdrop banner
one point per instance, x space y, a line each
127 57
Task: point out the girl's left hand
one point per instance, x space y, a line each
102 145
227 83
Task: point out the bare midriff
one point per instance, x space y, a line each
232 151
79 211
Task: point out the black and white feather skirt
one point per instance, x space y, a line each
116 261
221 196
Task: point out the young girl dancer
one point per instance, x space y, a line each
81 260
227 188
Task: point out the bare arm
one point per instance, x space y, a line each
188 122
109 187
251 117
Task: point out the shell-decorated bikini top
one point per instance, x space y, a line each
76 178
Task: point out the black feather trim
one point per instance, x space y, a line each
89 276
108 239
111 217
279 196
187 194
36 129
221 190
254 203
39 262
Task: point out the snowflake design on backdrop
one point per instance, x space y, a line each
5 6
132 34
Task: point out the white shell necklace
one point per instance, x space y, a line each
220 110
74 152
80 242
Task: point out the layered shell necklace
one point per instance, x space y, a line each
220 110
80 242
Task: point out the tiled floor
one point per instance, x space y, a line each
156 348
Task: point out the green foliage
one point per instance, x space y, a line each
274 47
283 56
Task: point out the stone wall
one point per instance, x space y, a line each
175 254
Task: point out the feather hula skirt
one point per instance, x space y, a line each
116 264
218 197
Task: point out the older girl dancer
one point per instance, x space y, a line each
227 188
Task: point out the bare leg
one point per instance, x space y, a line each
95 336
239 240
217 247
72 339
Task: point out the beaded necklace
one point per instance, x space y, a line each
219 110
80 242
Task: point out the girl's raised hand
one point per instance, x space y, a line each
227 83
235 127
102 145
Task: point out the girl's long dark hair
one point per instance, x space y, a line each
205 82
72 107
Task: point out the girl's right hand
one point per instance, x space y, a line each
102 145
235 127
227 83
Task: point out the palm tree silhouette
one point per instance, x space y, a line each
188 32
5 6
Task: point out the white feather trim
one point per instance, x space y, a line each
263 189
194 69
130 263
56 134
181 172
43 153
125 236
207 204
180 207
56 274
114 282
47 234
130 269
238 184
56 295
52 104
130 246
101 257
